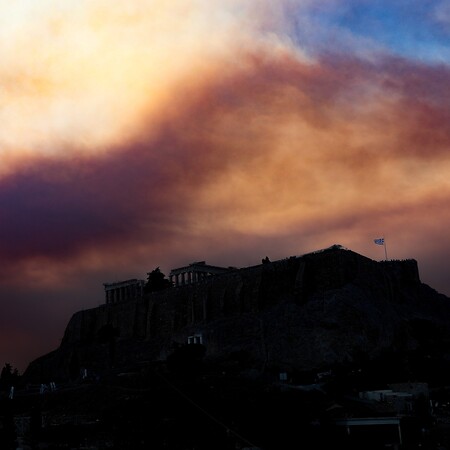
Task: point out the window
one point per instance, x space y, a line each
195 339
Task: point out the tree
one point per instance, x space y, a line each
9 376
156 281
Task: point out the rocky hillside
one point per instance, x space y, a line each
302 313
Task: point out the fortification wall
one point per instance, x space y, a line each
404 270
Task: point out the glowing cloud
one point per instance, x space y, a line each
80 76
137 134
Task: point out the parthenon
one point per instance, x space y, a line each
195 272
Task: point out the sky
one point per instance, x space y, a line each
138 134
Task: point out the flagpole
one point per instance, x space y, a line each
385 250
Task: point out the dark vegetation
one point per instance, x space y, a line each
156 281
9 376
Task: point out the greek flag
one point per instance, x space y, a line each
379 241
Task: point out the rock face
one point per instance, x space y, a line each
299 313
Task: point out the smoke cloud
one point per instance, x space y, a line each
149 134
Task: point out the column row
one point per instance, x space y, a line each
121 294
189 277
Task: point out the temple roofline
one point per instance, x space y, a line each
195 272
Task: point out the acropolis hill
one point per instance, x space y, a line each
299 313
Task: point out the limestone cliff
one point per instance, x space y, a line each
299 313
